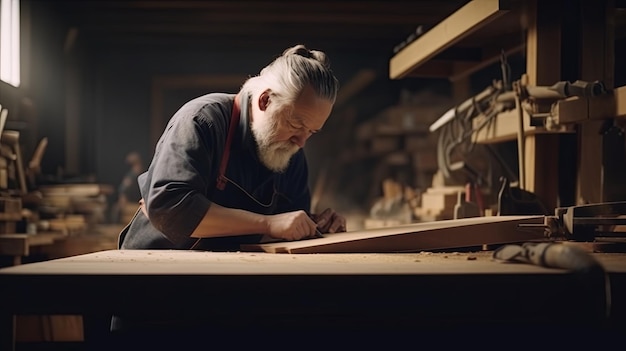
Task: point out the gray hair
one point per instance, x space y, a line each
289 73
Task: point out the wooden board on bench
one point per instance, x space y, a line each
415 237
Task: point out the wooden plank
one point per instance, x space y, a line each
468 19
571 110
76 189
14 245
4 113
19 244
579 109
505 127
612 105
415 237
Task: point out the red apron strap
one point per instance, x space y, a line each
234 123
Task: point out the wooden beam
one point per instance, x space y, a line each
346 12
609 106
468 19
580 109
543 43
596 63
543 68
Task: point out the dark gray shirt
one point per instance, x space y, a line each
180 183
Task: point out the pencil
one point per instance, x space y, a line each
318 234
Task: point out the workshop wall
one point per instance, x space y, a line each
122 112
37 107
106 95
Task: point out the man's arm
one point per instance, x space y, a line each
221 221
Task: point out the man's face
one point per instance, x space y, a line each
281 132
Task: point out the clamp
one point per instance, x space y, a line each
585 222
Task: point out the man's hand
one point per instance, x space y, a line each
290 226
329 221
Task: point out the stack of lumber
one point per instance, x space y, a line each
72 208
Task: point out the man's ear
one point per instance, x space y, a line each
264 100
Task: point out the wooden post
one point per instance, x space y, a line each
543 67
597 50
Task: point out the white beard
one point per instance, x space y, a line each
275 155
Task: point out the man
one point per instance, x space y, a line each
231 169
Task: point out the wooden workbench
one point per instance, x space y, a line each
264 292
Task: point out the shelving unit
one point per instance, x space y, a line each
476 35
465 42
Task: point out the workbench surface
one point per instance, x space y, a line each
177 262
247 291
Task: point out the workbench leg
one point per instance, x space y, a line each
97 332
7 332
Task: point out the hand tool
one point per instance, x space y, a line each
551 255
318 234
564 256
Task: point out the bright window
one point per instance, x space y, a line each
10 41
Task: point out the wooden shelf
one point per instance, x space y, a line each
468 40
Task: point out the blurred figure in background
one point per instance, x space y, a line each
128 191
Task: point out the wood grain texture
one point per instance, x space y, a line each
414 237
242 293
117 266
